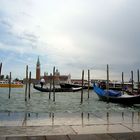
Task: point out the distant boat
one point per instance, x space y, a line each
116 96
112 86
57 89
5 84
66 85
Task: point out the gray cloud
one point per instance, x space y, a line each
82 34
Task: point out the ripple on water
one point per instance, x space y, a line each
65 102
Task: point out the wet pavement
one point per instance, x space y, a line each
97 132
107 126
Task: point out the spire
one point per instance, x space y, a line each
38 62
38 69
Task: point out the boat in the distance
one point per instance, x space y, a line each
112 85
116 96
14 84
57 89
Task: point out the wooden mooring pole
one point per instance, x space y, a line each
26 82
54 84
10 85
29 93
107 85
88 82
138 79
122 83
50 86
132 81
82 86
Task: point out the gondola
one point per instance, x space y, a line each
116 96
56 89
66 85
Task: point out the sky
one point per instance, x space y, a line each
72 35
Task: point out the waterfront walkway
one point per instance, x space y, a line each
72 132
97 126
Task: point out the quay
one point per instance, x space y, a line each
89 132
99 128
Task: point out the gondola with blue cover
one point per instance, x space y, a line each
116 96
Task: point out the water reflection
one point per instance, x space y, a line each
24 123
83 118
52 118
138 117
88 116
132 119
123 116
107 118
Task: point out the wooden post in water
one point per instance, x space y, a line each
26 82
50 86
29 96
88 82
107 85
82 86
54 84
10 85
138 80
132 81
122 83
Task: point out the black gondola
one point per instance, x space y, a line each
66 85
57 89
116 97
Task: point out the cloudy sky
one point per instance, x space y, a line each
72 35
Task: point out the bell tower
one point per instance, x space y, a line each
38 69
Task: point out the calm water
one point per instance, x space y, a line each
15 111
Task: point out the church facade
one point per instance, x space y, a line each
48 78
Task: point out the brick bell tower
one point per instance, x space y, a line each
38 69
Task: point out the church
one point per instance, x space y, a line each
48 78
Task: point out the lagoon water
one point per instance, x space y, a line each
66 110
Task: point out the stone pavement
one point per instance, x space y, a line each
113 126
112 136
71 132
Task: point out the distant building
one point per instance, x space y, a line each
48 78
57 78
38 69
